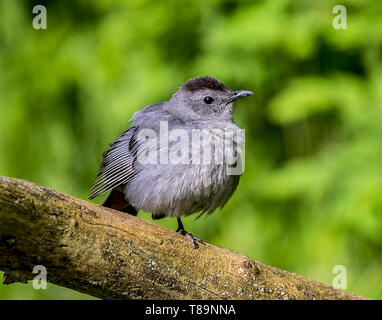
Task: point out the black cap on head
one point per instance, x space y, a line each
205 83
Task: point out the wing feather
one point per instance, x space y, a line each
118 164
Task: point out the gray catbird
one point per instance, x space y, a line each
147 168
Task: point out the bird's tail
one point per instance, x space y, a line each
116 200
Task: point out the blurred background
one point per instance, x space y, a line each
311 194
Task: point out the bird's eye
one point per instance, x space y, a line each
208 100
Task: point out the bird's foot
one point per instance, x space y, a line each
190 237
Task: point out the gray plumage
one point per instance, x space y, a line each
175 190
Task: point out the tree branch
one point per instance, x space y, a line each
110 254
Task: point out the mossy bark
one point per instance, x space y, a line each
113 255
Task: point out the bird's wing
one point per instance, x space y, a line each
118 163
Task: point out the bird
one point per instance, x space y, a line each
161 163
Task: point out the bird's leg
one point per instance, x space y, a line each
189 236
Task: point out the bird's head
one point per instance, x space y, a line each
205 98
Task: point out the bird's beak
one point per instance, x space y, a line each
238 95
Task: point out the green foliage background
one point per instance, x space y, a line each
310 197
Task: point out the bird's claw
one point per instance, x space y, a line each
193 239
